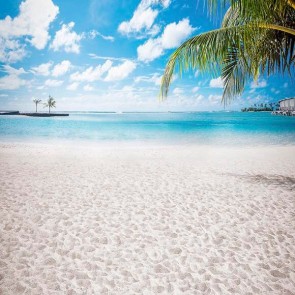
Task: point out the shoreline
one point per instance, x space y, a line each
130 143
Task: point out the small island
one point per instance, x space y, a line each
43 115
50 103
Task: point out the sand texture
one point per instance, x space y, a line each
146 220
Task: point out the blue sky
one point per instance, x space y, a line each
109 55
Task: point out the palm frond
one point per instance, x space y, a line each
269 24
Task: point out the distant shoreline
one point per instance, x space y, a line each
17 113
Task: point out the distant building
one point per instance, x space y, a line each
287 104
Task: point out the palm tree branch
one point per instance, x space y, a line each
235 71
207 50
291 3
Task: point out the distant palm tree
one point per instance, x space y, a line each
36 101
50 103
256 37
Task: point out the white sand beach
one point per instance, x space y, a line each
146 219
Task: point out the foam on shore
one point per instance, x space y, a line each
146 220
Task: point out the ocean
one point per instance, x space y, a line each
203 128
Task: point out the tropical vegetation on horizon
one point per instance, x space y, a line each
260 107
50 103
256 37
37 101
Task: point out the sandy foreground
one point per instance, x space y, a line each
146 220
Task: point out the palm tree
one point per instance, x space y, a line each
50 103
256 37
36 101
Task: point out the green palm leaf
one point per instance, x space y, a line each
255 37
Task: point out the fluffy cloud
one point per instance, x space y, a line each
173 35
121 71
43 69
13 71
53 83
150 50
105 72
12 80
143 19
61 68
67 39
58 70
216 83
11 51
92 73
33 21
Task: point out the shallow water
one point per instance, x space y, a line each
224 128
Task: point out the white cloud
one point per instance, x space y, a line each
195 89
93 34
166 3
155 78
92 73
11 51
88 88
121 71
12 81
95 56
73 86
33 21
142 19
216 83
43 69
67 39
53 83
199 98
214 99
258 84
13 71
173 35
150 50
61 68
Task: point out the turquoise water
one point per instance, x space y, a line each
233 128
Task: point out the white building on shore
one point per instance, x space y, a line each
287 104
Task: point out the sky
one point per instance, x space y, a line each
109 55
